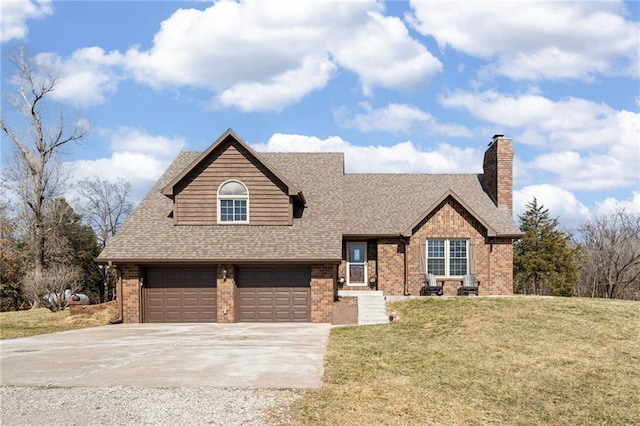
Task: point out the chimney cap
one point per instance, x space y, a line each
497 137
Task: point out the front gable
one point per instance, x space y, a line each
270 198
438 203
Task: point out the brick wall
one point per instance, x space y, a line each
391 266
322 290
226 294
493 263
501 267
130 275
498 171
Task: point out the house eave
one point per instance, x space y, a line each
218 261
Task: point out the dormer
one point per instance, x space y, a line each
231 184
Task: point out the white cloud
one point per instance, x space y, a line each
259 56
590 145
14 14
397 61
590 172
564 122
136 156
403 157
282 90
536 40
86 77
610 204
560 203
396 118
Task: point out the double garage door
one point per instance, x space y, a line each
262 295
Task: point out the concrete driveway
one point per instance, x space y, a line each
170 355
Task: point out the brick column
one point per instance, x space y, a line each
130 297
225 293
322 285
391 266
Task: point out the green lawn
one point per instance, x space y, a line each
42 321
516 361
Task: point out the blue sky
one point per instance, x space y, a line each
399 86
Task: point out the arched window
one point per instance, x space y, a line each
233 202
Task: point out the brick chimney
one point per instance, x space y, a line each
498 171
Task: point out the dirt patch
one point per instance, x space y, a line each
345 311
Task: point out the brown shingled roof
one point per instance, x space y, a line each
338 205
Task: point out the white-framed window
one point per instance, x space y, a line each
447 257
357 263
233 202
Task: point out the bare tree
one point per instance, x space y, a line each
52 286
611 255
105 205
34 175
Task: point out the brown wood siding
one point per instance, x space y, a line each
196 198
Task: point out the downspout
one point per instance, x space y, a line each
489 259
118 297
405 284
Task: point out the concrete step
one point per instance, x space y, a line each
372 305
372 308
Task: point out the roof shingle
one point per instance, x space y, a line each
337 204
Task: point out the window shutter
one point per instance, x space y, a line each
473 257
422 255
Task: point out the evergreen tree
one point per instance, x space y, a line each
71 242
544 259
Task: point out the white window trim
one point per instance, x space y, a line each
447 257
232 197
366 261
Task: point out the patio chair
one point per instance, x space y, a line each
469 285
432 286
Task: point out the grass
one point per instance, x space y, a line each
476 361
43 321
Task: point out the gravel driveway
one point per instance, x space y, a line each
161 374
145 406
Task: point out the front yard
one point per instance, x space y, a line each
521 361
41 321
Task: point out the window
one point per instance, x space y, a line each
448 258
233 202
356 263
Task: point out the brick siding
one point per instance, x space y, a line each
131 292
493 265
498 171
226 294
322 291
391 266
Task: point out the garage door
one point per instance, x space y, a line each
274 295
180 295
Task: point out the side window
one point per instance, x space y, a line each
233 202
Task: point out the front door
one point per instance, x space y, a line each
357 264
